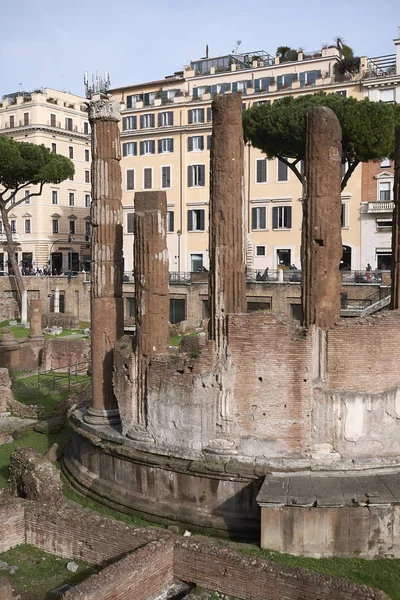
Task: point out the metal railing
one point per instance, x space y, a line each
273 275
362 303
365 276
180 277
65 377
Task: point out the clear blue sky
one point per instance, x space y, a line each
50 43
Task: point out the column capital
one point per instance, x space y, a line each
104 109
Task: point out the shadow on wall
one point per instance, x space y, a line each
242 503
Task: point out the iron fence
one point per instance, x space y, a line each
64 377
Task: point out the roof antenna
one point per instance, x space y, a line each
206 50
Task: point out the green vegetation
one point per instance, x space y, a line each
381 573
30 439
53 388
279 129
39 572
175 340
23 332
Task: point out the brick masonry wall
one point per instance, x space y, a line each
79 534
368 181
12 524
59 352
272 389
228 572
363 355
141 575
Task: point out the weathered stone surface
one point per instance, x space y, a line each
395 299
321 232
35 310
5 390
107 266
54 452
5 589
227 291
34 477
53 425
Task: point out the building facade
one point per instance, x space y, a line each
165 136
51 230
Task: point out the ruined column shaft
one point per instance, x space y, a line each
151 287
35 317
395 299
107 324
321 234
227 289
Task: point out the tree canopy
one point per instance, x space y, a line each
23 165
279 129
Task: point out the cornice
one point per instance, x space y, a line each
45 128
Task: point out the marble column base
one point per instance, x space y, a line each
139 433
222 446
100 417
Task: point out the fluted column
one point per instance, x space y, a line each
321 233
151 295
395 299
107 317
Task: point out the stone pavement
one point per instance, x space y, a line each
331 489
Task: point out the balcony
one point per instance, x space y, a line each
380 207
380 66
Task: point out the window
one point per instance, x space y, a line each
71 199
345 215
196 219
196 115
309 77
384 191
71 178
55 225
129 149
130 179
386 163
131 100
12 121
148 178
88 231
170 221
69 124
341 93
129 123
72 227
86 127
165 177
285 81
70 152
195 143
54 148
209 142
281 217
27 198
26 118
130 222
27 225
165 119
147 147
196 175
261 170
87 176
282 171
146 121
1 229
87 200
13 224
177 310
53 120
284 257
386 95
87 155
165 145
384 223
260 250
196 262
258 218
54 197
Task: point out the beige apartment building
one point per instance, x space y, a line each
165 137
51 230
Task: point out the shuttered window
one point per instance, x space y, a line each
196 175
258 218
195 143
261 170
148 178
130 179
147 147
129 123
281 217
165 177
129 149
170 221
165 145
130 221
196 220
196 115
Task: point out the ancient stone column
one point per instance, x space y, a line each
227 283
395 299
151 294
24 307
57 300
35 310
321 234
107 315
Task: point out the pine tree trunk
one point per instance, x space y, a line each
19 284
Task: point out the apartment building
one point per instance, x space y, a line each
165 136
381 82
52 229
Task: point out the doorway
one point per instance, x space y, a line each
56 263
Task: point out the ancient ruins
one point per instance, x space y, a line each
263 420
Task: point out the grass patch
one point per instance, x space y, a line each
30 439
23 332
175 340
381 573
26 390
39 572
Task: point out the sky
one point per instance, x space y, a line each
51 43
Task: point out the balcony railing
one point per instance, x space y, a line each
380 207
381 66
